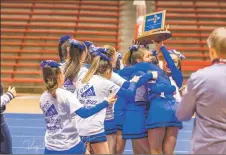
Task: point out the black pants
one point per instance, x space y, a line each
6 140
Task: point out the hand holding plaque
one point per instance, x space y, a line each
154 28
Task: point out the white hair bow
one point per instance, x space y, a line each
181 56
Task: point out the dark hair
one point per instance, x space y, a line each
50 77
1 89
73 66
62 50
118 64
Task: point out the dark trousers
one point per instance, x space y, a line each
6 140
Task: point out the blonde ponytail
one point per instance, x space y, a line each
131 58
126 59
94 66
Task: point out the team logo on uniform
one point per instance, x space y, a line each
89 92
51 111
68 85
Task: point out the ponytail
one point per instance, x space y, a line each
127 58
51 73
50 76
136 52
74 64
93 69
101 65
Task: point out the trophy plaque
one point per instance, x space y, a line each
154 28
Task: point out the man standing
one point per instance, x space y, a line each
206 97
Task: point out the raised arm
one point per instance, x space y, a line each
176 73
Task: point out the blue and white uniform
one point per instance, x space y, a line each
62 136
177 95
110 125
90 94
162 103
110 122
135 111
61 133
119 109
162 112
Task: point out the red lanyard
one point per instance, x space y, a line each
219 61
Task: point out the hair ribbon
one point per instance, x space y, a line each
77 44
98 51
181 56
64 38
49 63
90 46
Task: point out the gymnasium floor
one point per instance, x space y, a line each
27 128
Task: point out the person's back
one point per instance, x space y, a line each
61 133
209 133
206 97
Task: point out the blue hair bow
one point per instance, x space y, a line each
88 43
90 46
135 47
181 56
154 53
98 51
77 44
49 63
64 38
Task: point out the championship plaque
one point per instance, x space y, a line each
154 28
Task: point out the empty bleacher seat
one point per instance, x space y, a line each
30 31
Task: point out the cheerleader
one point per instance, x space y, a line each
161 122
73 69
59 108
92 89
6 140
110 125
134 127
177 58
